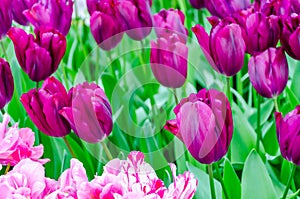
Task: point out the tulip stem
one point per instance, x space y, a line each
211 181
7 169
276 104
175 96
106 150
289 182
37 86
229 99
4 51
221 181
69 147
258 138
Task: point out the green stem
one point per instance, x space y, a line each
228 89
4 50
7 169
211 181
175 96
289 182
37 86
221 181
106 150
258 138
69 147
276 104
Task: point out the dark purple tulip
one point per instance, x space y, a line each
137 18
169 22
224 48
93 5
224 8
43 107
295 6
274 7
90 113
261 32
268 72
198 4
204 124
54 13
168 60
39 57
290 33
287 130
5 17
7 83
18 7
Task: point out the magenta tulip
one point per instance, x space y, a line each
39 57
7 83
224 8
18 7
89 113
43 106
5 17
268 72
53 13
168 60
288 129
204 124
168 22
224 48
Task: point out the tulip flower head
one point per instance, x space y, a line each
268 72
287 129
5 17
222 8
18 7
198 4
204 124
7 83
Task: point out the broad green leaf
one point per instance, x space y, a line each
232 182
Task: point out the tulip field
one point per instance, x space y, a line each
149 99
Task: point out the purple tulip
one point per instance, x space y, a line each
5 17
268 72
136 16
224 48
93 5
224 8
53 13
7 83
261 31
290 33
43 107
39 57
90 113
168 22
198 4
287 130
274 7
295 6
204 124
168 60
18 7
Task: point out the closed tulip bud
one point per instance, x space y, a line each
5 17
93 5
43 106
224 48
53 13
290 33
7 83
197 3
137 18
204 124
268 72
39 57
18 7
287 130
224 8
89 113
168 60
168 22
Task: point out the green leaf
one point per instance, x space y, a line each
232 182
293 195
266 110
256 182
292 98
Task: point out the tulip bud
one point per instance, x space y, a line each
53 13
290 32
287 130
222 8
168 60
5 17
268 72
204 124
7 83
39 57
198 4
168 22
18 7
43 107
273 7
93 5
89 113
136 16
224 48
